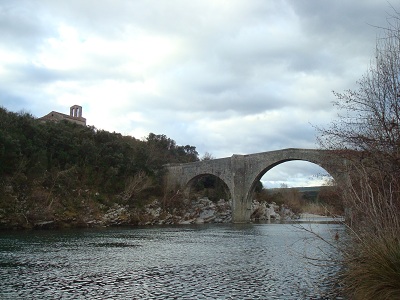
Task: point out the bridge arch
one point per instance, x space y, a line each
280 162
191 184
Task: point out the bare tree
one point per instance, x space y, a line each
135 184
207 156
369 123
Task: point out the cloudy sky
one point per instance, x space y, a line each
226 76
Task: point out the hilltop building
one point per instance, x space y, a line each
75 116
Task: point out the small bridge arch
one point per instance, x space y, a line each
190 185
241 173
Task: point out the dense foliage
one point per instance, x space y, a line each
48 169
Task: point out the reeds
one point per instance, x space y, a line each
372 260
373 269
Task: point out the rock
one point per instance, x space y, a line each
187 222
199 221
268 211
44 224
194 212
209 219
207 213
117 215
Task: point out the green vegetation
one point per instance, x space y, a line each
65 172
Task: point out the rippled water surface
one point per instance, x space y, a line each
230 261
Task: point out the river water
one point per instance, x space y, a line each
216 261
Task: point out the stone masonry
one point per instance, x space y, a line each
242 172
75 116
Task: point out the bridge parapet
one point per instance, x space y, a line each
181 174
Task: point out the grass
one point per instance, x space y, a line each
372 260
314 208
373 268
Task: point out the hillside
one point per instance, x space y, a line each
64 172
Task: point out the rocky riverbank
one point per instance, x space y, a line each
196 212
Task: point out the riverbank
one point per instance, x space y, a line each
201 211
307 217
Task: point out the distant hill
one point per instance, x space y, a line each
309 193
309 189
301 189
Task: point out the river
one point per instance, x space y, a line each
215 261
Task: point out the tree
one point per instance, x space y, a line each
135 184
370 124
370 116
367 134
50 170
164 150
207 156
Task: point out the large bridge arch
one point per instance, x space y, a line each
242 172
270 167
265 169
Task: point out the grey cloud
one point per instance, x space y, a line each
173 17
12 101
28 74
340 17
21 27
342 27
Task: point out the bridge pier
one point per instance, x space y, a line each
240 211
241 207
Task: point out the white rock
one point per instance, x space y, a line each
199 221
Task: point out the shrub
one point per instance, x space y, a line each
373 268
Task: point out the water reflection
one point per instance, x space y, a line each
233 261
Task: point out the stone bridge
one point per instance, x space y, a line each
241 173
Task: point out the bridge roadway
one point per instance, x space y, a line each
241 173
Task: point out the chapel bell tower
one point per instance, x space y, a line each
75 111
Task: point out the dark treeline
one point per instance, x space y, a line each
52 170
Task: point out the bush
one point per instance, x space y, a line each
373 268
